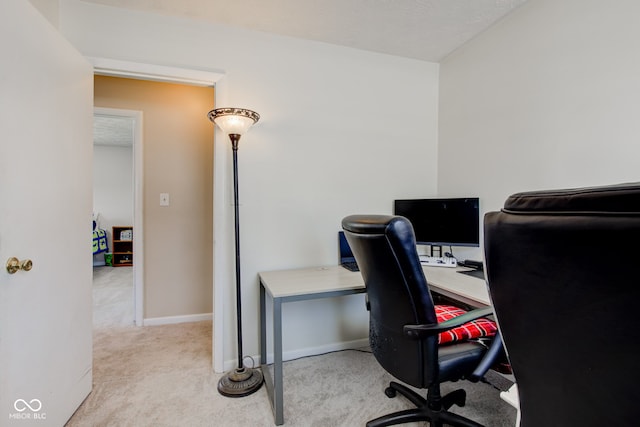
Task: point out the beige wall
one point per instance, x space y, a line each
178 159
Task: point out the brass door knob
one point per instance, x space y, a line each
14 264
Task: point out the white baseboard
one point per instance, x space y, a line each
169 320
303 352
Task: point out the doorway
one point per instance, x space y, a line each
200 78
117 292
176 205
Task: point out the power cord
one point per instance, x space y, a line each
328 352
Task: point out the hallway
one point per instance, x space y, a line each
112 297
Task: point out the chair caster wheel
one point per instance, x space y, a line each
390 392
457 397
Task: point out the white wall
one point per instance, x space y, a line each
547 98
342 131
48 8
113 186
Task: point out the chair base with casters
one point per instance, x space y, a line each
424 411
435 408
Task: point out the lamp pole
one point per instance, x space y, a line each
235 138
241 381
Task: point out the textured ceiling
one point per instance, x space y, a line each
422 29
112 130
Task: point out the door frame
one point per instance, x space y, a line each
154 72
138 205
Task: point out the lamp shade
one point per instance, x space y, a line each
233 121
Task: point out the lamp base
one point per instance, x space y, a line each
240 382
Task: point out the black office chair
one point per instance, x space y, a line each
563 279
403 328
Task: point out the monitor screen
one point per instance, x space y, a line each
443 222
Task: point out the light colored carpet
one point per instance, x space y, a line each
112 297
162 376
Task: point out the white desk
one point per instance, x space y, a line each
323 282
457 286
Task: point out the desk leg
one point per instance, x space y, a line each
263 326
273 386
277 361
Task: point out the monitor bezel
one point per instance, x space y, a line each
423 240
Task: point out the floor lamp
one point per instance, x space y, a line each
235 122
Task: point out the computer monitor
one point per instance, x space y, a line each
443 221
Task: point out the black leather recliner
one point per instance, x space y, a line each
403 328
563 273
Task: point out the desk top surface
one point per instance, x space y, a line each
307 281
449 282
316 280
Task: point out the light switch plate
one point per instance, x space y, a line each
164 199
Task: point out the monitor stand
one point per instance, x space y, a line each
434 248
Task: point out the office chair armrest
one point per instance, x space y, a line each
494 352
422 331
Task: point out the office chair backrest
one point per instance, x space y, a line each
562 269
385 250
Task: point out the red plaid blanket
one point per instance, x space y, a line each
471 330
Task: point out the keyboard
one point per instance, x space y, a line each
436 261
351 266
